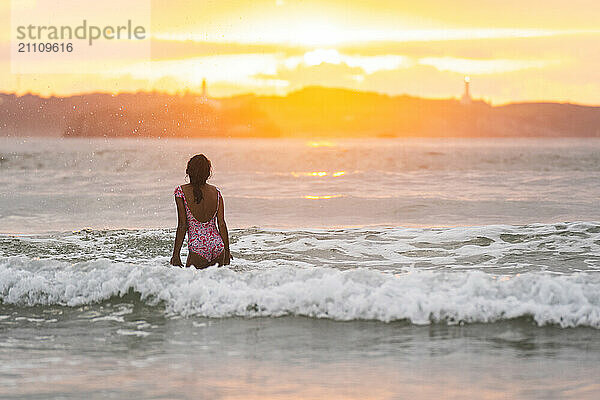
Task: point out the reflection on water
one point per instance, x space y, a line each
320 143
318 173
323 197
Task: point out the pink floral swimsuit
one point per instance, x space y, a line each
204 238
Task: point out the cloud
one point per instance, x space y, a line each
418 80
324 74
475 48
167 49
368 64
500 81
469 66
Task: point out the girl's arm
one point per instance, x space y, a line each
223 232
180 234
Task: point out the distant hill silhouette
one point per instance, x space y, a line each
312 111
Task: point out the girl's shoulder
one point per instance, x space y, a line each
213 187
178 192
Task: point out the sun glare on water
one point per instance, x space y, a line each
318 174
320 143
328 196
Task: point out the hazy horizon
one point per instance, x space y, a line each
545 53
196 92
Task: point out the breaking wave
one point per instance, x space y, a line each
417 296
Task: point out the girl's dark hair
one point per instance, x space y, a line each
198 169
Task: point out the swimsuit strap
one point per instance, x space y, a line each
218 195
182 195
186 205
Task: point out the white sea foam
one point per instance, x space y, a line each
502 249
420 297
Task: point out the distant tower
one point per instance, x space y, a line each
204 99
466 97
204 92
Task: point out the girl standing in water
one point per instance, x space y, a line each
200 210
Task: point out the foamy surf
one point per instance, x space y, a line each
420 297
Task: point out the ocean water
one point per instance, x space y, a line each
389 268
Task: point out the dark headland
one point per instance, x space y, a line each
312 111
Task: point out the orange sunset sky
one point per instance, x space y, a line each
513 50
